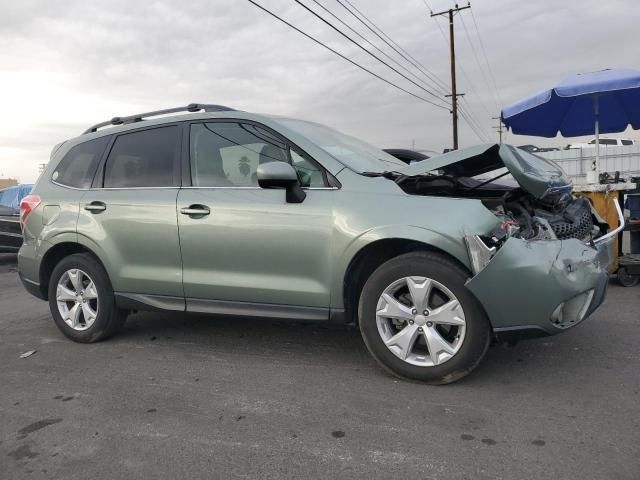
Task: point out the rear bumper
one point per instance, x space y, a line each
32 287
540 288
29 268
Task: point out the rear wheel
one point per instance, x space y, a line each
81 300
419 321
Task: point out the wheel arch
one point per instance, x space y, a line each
371 254
55 254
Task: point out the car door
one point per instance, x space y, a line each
129 215
245 250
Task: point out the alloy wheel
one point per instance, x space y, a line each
77 299
420 321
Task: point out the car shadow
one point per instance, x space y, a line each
297 343
233 334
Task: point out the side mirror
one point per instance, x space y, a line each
281 175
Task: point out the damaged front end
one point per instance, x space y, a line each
541 287
529 194
544 267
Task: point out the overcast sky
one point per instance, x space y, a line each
68 64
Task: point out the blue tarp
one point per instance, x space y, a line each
11 196
568 108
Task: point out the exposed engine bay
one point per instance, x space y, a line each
530 194
558 215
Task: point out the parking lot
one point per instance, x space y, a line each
177 396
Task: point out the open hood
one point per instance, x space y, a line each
536 175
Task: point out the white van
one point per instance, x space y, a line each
604 142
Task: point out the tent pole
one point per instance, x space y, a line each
596 111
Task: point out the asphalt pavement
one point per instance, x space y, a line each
190 397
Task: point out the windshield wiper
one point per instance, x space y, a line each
389 174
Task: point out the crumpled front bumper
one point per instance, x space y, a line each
538 288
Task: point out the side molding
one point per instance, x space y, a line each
158 303
264 310
152 303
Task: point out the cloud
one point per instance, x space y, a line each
68 64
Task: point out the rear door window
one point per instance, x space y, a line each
79 165
142 159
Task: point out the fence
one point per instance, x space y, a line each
577 162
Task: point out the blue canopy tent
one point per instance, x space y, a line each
605 101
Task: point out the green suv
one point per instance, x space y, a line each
211 210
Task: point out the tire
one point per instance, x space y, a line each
99 299
467 332
626 279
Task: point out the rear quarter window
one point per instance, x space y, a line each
78 166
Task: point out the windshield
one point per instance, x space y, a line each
350 151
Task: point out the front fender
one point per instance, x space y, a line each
451 244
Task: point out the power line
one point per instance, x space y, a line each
391 43
452 53
484 53
466 76
467 117
466 105
378 49
475 56
367 51
474 128
344 57
465 112
470 120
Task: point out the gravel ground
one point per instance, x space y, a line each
178 396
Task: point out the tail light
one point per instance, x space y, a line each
27 205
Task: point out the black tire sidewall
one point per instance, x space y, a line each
104 321
452 276
626 279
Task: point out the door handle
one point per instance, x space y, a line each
195 210
95 207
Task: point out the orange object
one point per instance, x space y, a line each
603 204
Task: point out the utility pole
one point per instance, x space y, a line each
499 127
454 95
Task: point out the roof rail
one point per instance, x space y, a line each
192 107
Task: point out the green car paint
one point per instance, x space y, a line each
533 278
255 248
534 174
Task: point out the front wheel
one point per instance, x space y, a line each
81 300
420 322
